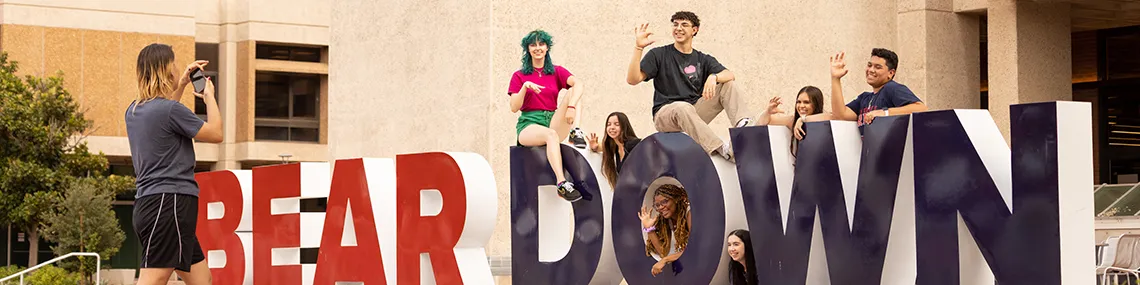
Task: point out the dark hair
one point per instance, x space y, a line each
736 273
686 15
679 220
534 37
888 55
815 96
609 146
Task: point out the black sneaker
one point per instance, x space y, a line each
566 191
577 138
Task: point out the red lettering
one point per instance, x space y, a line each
275 231
359 263
222 186
436 235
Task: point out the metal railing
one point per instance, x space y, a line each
98 265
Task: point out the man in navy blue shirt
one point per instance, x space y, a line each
889 98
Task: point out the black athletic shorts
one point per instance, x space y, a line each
165 225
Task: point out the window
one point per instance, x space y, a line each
1121 60
209 52
290 53
287 107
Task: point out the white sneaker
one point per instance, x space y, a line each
726 152
743 123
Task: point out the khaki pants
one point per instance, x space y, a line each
693 119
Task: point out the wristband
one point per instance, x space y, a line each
886 112
649 229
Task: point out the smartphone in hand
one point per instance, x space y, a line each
199 80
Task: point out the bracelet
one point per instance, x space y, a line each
570 107
649 229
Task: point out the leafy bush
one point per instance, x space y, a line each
51 275
9 270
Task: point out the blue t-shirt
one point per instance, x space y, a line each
161 133
891 95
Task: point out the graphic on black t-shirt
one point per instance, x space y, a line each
692 73
677 76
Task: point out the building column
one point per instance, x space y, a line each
939 54
1030 50
227 54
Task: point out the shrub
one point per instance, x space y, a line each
51 275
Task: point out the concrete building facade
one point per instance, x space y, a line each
318 80
268 59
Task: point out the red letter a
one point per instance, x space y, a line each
349 263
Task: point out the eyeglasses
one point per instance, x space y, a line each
662 203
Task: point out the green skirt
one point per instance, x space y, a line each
527 118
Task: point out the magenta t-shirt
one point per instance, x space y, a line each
552 83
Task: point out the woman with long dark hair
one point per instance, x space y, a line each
620 139
545 120
161 132
741 270
667 233
809 108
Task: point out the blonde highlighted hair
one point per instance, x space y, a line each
154 72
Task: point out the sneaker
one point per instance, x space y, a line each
578 138
566 191
743 122
726 153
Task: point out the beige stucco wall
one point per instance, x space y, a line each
98 66
1030 53
434 76
95 44
152 17
283 21
939 53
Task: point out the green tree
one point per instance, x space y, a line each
43 149
84 222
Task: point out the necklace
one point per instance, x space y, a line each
867 109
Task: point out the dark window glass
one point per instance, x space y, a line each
304 134
1121 60
287 107
271 133
291 53
272 96
208 52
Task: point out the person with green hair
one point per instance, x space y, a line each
546 120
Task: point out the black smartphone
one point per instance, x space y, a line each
198 80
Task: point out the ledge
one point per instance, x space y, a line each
270 151
120 147
291 66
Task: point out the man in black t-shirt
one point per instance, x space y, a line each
690 88
888 98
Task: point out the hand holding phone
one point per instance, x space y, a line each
198 79
207 92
